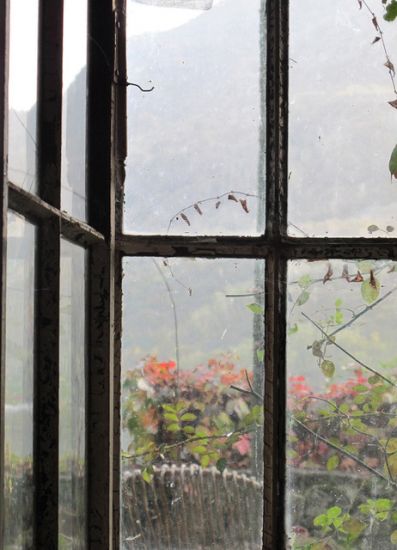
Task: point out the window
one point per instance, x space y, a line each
155 268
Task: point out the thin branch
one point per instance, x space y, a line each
367 367
389 63
317 436
358 315
165 448
209 199
173 305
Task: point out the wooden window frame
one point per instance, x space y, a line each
103 236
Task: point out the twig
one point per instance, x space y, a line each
173 305
367 367
209 199
358 315
165 448
389 63
317 436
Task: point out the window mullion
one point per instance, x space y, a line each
4 31
46 402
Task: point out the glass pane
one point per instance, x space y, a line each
72 395
73 178
196 141
342 130
23 93
192 383
19 374
342 397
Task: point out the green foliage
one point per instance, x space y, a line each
391 11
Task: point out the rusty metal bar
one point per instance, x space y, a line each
4 36
275 280
37 210
46 428
101 216
257 247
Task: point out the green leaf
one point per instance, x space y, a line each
359 399
147 474
187 417
374 379
293 329
169 408
334 512
200 450
354 527
302 298
344 408
370 292
204 461
360 388
391 11
260 353
221 464
338 303
393 537
173 427
383 504
256 308
188 429
328 368
332 462
320 521
339 317
180 405
381 516
305 281
173 417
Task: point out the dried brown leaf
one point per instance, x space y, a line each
198 209
345 272
244 205
185 218
357 279
217 205
328 275
360 3
232 198
389 65
393 103
372 280
375 40
375 23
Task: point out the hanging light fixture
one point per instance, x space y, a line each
186 4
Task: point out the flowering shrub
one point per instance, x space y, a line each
190 416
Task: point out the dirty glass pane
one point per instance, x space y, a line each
20 311
341 123
73 180
72 396
192 386
22 93
196 141
342 404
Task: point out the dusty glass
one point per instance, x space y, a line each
73 167
342 404
342 120
19 376
192 411
22 94
72 398
196 135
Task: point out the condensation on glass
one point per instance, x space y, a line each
192 411
19 375
73 173
341 125
196 140
22 93
342 404
72 398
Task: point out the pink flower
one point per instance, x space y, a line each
243 445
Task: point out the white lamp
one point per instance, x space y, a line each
187 4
